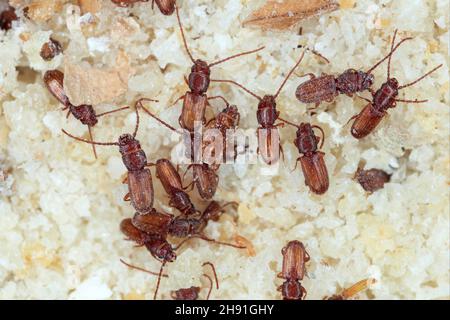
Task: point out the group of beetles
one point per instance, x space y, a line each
151 228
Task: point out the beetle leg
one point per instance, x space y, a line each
411 101
190 185
203 237
220 97
186 80
68 114
127 197
354 117
304 293
151 164
176 101
211 120
364 98
316 105
296 162
280 275
310 75
188 168
282 152
125 180
307 257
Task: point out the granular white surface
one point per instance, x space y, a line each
60 210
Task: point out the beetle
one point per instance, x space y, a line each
54 81
383 99
295 258
151 230
205 177
195 101
172 184
156 244
268 136
328 87
192 293
139 179
313 163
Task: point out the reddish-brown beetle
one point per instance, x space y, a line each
139 179
327 87
348 293
294 259
226 120
313 163
268 136
167 7
171 181
163 224
192 293
195 101
383 99
156 244
205 178
151 230
7 17
54 81
214 210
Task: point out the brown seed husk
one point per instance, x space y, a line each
284 14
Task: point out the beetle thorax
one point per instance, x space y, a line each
267 112
385 97
292 290
162 250
182 202
227 119
306 140
85 113
352 81
132 154
183 227
199 77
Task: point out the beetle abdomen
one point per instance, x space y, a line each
315 172
141 190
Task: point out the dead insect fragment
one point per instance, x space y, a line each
372 180
50 49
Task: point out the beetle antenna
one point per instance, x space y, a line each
289 74
288 122
159 279
421 78
240 86
210 285
235 56
92 139
142 269
88 141
214 271
183 36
